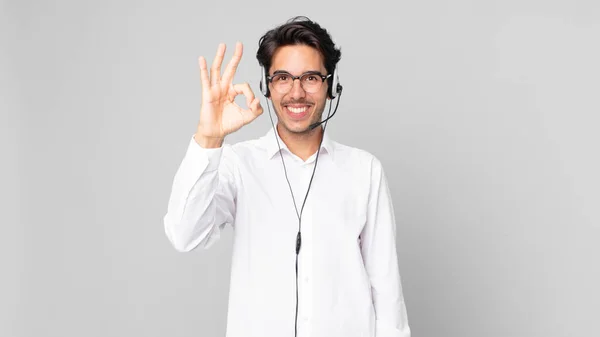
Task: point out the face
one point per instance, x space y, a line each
297 109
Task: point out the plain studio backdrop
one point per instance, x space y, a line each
484 114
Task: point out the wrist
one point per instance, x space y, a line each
208 142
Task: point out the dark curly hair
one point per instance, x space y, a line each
299 30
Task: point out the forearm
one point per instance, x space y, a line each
192 215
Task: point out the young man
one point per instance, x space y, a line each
314 252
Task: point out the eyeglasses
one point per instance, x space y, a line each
311 81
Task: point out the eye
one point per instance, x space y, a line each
280 78
312 78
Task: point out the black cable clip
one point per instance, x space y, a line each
298 242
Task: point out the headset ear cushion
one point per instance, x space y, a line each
334 88
264 87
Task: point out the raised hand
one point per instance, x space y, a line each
219 114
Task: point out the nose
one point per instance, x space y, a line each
297 91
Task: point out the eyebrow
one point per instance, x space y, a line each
287 72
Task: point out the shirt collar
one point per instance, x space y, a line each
270 144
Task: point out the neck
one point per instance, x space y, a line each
303 144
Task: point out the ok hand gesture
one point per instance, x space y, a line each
219 114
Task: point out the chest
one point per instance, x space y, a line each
335 207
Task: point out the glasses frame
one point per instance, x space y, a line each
314 73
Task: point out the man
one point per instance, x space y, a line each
318 264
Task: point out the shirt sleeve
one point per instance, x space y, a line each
378 247
202 199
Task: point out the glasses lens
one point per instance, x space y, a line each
282 83
311 82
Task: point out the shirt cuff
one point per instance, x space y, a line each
209 157
386 330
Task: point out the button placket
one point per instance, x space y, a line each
306 254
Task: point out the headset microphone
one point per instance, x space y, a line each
338 95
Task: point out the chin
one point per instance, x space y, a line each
296 127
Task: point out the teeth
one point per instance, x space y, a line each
297 110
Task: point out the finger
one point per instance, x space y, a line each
215 69
253 112
203 73
233 63
245 90
256 108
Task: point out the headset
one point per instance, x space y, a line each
264 88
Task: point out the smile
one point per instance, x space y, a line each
297 110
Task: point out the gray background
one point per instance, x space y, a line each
484 114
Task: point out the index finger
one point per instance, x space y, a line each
232 65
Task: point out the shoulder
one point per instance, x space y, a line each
245 151
363 167
348 155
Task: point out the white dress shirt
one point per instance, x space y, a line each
348 279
